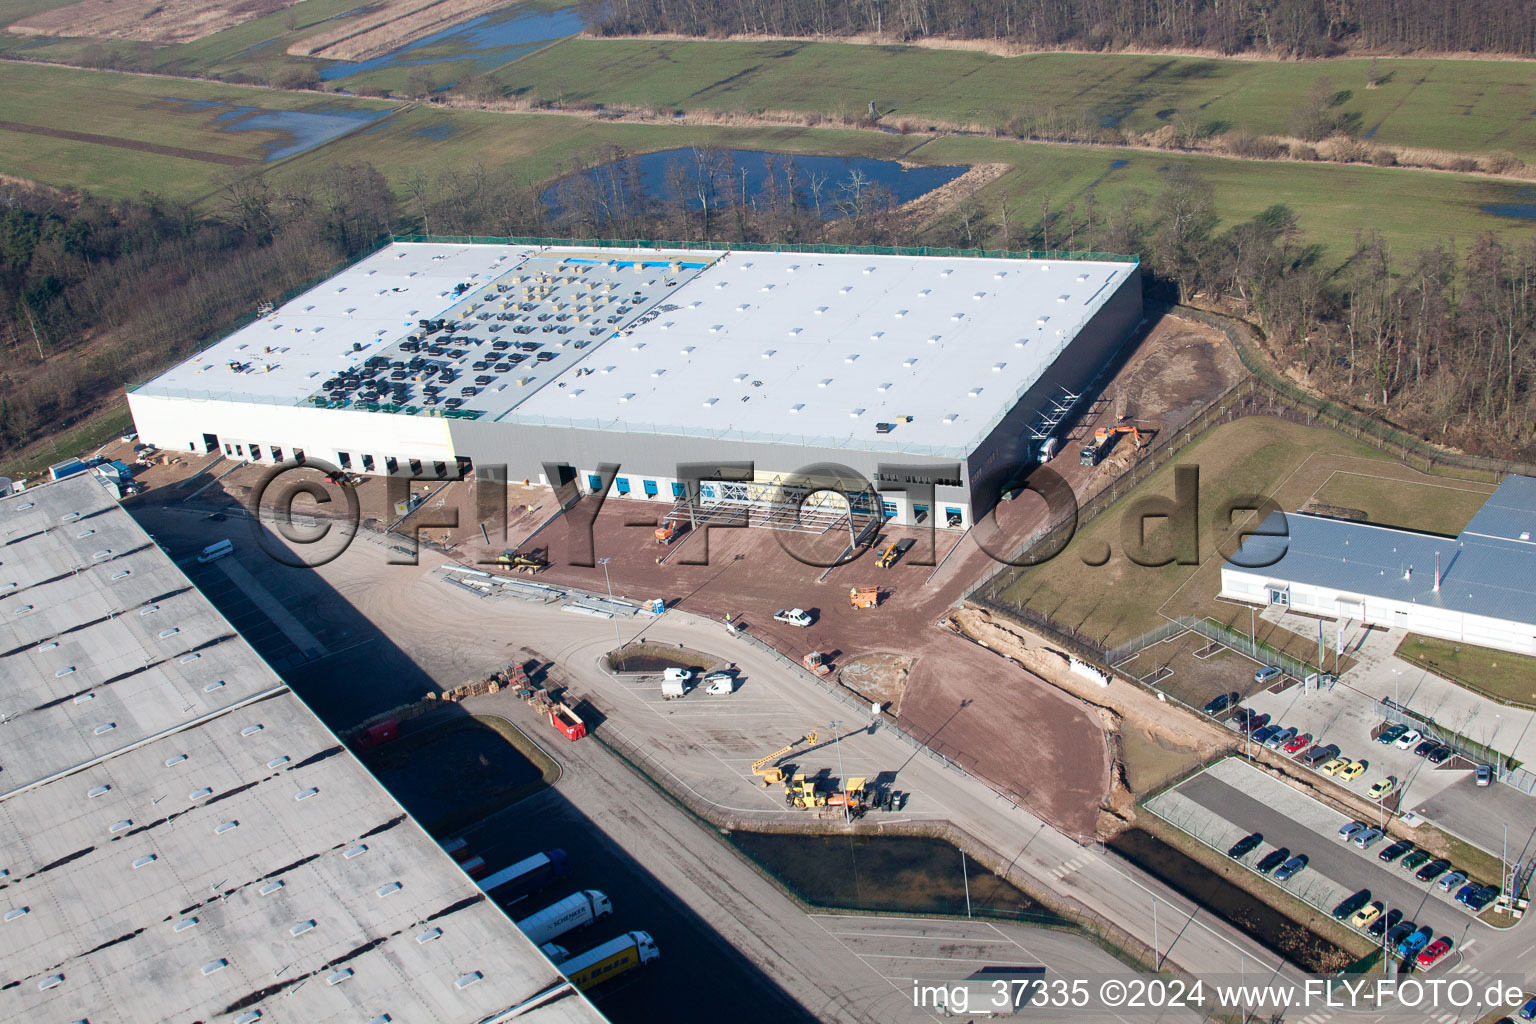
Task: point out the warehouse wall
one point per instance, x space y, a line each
997 459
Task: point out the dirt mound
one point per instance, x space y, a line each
877 677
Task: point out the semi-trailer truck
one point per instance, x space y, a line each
526 877
575 911
609 960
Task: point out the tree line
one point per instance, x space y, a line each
97 292
1295 28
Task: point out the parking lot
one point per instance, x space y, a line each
1232 799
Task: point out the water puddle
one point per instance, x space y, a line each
489 41
300 129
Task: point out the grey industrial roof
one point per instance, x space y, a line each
781 347
1480 573
216 854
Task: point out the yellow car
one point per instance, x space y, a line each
1384 788
1354 771
1366 914
1335 766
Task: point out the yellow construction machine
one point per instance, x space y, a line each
530 564
771 773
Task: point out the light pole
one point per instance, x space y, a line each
838 743
604 563
1154 935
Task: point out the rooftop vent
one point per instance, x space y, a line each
184 924
16 912
797 407
225 826
769 353
173 761
248 1017
101 790
974 392
278 762
466 980
214 965
271 887
198 794
709 402
61 673
121 826
339 977
301 928
877 335
52 981
305 794
427 936
144 861
104 728
251 730
824 383
882 388
387 889
951 418
854 414
900 313
354 851
213 686
998 367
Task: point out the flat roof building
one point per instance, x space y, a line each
431 358
181 838
1478 587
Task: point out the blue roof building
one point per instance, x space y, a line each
1478 587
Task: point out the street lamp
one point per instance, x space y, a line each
604 563
838 743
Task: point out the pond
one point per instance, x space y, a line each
1523 208
301 129
488 41
893 874
726 176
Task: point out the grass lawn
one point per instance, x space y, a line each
1498 674
1120 600
1469 105
81 441
137 117
1331 202
1430 508
543 146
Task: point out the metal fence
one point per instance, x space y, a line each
1472 750
1217 632
724 246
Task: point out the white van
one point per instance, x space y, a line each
677 675
719 682
216 551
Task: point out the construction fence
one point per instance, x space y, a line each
813 249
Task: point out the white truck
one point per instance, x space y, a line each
676 682
719 682
578 910
792 617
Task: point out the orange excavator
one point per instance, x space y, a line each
669 531
1101 441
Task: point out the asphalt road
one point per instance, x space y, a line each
1340 862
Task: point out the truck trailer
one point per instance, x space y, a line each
577 910
609 960
526 877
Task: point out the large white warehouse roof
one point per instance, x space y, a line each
914 353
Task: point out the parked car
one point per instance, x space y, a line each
1365 837
1433 870
1245 845
1281 738
1528 1011
1255 723
1413 860
1391 733
1335 765
1400 931
1353 770
1379 926
1263 736
1219 703
1415 942
1349 904
1272 860
1384 788
1395 851
1287 871
1434 951
1481 897
1407 739
1466 891
1424 748
1268 674
1297 744
1239 717
1451 880
1348 832
1317 755
1441 754
1484 774
1366 914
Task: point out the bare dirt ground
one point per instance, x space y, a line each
930 204
228 160
877 677
150 21
388 25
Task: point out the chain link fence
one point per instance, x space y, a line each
1472 750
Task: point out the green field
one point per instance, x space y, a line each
146 136
1119 600
1429 508
1464 105
1498 674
